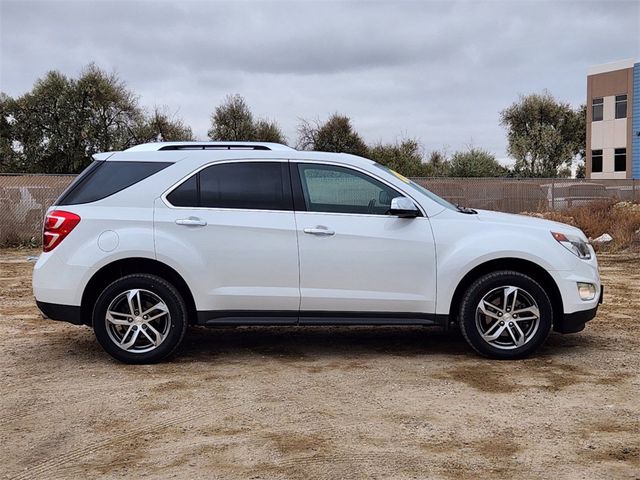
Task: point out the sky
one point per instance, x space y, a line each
440 72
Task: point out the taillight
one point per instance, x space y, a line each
57 225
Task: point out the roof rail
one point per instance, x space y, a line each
161 146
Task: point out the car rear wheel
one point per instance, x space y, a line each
140 318
505 315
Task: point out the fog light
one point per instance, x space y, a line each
587 291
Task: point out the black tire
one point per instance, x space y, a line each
472 321
173 327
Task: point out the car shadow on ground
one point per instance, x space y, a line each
290 342
321 341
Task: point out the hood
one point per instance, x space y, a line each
527 222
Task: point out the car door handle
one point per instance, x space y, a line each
191 221
319 230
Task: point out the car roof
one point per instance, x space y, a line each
217 151
234 145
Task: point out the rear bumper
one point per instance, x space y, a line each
63 313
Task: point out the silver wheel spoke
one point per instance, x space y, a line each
493 333
515 298
516 341
118 318
521 336
158 306
138 302
132 340
508 291
484 307
158 335
144 332
533 310
130 297
155 317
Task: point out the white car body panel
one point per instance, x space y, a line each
240 260
372 263
494 237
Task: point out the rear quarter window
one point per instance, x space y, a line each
102 179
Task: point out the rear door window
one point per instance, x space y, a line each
240 185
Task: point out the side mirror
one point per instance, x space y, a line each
403 208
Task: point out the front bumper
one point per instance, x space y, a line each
575 322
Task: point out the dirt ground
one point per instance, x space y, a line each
306 403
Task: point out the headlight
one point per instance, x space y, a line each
574 244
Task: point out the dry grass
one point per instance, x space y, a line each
621 220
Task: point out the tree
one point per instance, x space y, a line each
580 131
233 121
7 154
438 164
268 131
62 121
159 126
404 157
543 134
335 135
475 162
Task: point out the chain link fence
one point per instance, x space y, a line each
516 195
24 199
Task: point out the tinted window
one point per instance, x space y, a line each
342 190
620 160
621 106
87 172
245 185
596 161
186 195
597 108
102 179
250 185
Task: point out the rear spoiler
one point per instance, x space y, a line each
102 156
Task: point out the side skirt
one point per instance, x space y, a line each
214 318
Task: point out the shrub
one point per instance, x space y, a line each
620 220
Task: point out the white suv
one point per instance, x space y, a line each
161 236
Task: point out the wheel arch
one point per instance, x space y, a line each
520 265
126 266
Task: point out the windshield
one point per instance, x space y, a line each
419 188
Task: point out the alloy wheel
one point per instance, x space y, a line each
137 321
507 317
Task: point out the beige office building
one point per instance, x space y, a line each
613 90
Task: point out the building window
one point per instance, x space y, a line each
597 107
596 161
621 106
620 160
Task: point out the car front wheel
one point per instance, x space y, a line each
505 315
140 318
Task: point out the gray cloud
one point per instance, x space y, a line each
440 71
